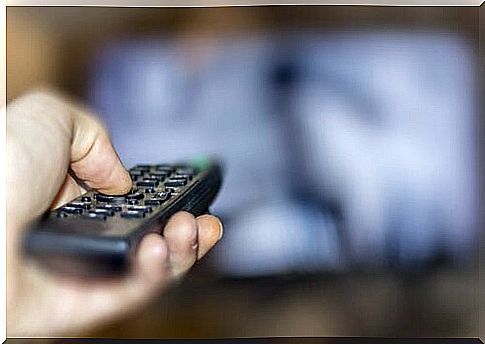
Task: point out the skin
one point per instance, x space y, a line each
47 134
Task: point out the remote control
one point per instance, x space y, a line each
97 234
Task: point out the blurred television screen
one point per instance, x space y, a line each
342 149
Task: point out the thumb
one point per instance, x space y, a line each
93 158
50 133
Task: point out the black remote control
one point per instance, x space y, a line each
97 234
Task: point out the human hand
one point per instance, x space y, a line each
47 135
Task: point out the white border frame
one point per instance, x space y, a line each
144 3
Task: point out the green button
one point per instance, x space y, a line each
201 162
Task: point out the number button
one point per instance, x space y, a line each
135 195
94 216
154 201
132 214
70 210
150 182
99 211
82 205
109 198
140 208
110 207
175 182
160 176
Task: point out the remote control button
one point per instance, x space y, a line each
132 214
94 216
185 170
135 195
102 212
150 190
175 182
111 207
164 167
164 195
142 168
132 201
173 190
182 176
140 208
158 199
148 182
135 175
154 201
85 199
160 176
71 210
82 205
109 198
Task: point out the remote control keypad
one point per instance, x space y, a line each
152 187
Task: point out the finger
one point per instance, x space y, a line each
209 232
115 297
155 257
150 273
181 236
66 133
158 260
69 190
94 160
152 258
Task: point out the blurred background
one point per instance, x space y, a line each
350 141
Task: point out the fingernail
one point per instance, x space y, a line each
221 228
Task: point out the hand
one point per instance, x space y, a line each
47 135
